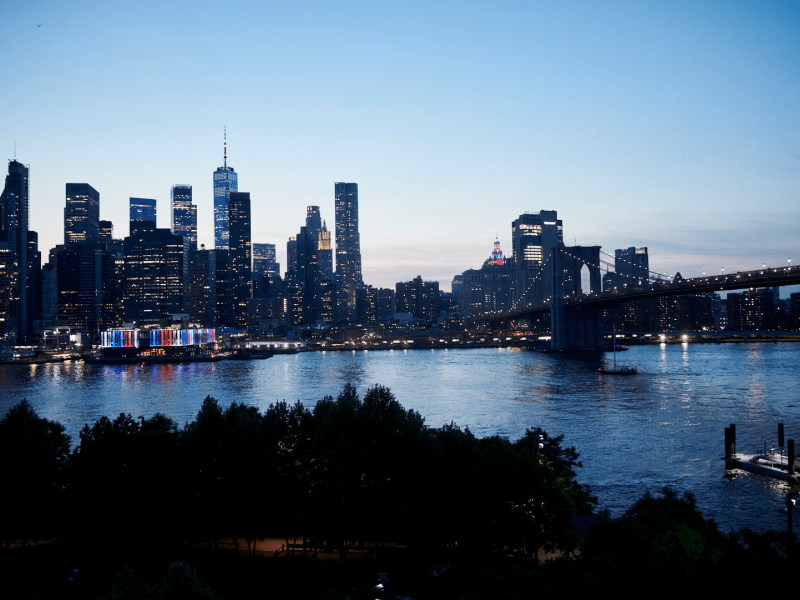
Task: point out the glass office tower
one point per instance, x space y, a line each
143 209
184 214
348 247
225 181
81 214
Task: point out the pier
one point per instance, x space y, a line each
773 462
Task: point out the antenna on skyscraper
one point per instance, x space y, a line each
225 146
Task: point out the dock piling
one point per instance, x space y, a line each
790 457
780 435
733 439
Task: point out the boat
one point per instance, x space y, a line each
249 354
620 370
156 360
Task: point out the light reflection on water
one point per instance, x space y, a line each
663 426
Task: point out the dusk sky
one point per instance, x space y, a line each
672 125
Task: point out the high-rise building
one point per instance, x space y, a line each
348 245
203 266
225 181
632 267
156 274
106 231
79 271
488 289
264 260
533 237
82 214
310 264
14 270
183 214
222 276
751 310
143 209
241 256
325 251
420 298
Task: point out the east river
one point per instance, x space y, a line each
662 427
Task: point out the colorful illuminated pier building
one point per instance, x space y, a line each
166 343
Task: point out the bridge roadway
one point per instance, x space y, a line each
577 322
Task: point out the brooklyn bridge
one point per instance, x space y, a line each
576 315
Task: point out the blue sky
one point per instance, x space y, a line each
668 125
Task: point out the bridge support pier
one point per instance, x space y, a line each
576 328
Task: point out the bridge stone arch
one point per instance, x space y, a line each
575 327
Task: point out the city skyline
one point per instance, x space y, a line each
672 128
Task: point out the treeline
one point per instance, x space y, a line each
349 470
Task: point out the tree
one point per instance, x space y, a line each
33 456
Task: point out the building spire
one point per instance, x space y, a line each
225 146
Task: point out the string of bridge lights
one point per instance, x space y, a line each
534 280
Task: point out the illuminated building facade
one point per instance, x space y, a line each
241 256
14 262
305 252
106 232
82 214
488 289
225 181
264 260
143 209
156 274
752 310
183 214
348 246
420 298
533 236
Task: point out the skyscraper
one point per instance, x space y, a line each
156 275
183 214
225 181
241 256
264 260
533 236
348 245
143 209
14 223
632 267
81 214
203 295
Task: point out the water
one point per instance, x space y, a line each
661 427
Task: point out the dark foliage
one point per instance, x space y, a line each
33 460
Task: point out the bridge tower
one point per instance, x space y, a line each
575 327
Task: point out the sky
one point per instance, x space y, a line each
670 125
